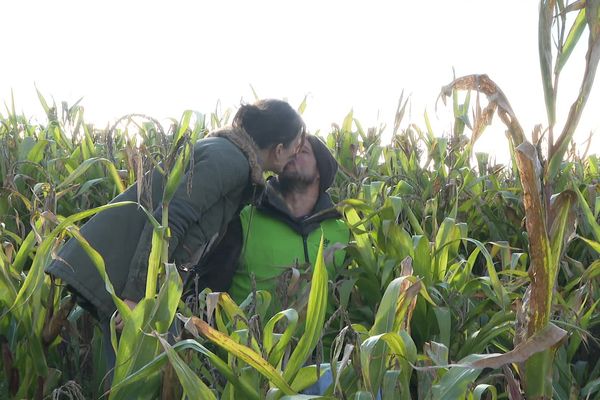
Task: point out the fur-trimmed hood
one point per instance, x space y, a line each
246 144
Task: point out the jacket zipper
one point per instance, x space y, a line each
305 243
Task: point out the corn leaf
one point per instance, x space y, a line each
588 216
592 59
401 345
308 376
244 353
575 32
87 164
545 53
480 391
274 350
315 318
193 386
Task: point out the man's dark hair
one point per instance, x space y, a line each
269 122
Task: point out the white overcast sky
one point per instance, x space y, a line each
161 58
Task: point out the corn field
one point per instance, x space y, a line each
464 278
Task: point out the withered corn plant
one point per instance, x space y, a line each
550 216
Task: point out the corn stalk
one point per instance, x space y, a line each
550 219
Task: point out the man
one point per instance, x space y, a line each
283 231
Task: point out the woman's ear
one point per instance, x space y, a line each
277 151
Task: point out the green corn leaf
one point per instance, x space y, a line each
193 386
242 352
589 218
273 350
25 148
315 318
85 188
455 382
591 388
87 145
184 124
25 249
592 59
302 106
437 353
36 153
562 226
372 350
87 164
387 314
157 363
362 395
545 54
307 376
363 242
154 260
177 171
443 317
500 324
422 263
593 244
232 310
575 32
176 174
157 314
443 238
390 315
390 386
347 124
135 349
584 321
43 102
482 389
8 291
168 299
263 301
500 291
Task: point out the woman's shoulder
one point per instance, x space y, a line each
218 147
221 156
216 143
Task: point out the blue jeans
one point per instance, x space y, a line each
321 385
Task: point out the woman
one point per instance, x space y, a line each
228 167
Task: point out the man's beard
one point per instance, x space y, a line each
294 182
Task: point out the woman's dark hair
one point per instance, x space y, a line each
269 122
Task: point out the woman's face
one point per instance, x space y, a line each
283 155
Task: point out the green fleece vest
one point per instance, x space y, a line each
272 247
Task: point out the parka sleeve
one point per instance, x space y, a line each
217 270
214 176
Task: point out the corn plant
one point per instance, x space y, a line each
549 218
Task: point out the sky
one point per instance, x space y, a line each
163 57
